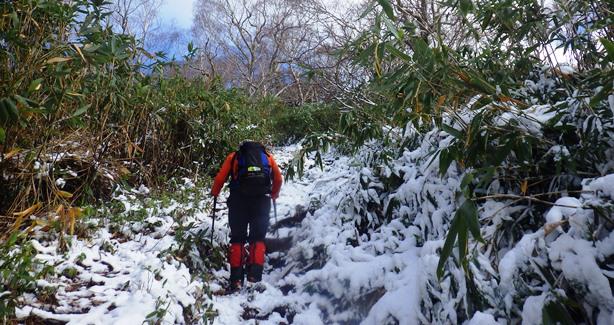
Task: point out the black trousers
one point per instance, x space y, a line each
248 211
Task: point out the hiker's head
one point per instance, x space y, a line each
250 142
246 141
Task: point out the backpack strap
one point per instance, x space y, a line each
232 166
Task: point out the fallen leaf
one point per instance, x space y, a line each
57 60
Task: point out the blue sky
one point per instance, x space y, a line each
179 11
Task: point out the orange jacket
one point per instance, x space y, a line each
222 175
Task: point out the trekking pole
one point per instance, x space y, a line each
213 217
276 222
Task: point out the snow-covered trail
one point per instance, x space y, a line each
327 276
260 304
133 265
132 270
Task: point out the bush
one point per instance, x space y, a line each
493 106
18 272
291 124
81 106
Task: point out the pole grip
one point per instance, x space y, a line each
276 222
213 217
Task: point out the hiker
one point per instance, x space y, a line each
255 180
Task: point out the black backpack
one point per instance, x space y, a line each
254 170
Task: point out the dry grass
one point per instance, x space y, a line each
47 183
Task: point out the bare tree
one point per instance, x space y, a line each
137 17
267 46
241 32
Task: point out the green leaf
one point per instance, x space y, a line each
22 100
89 47
15 19
2 135
556 313
481 84
4 115
387 8
445 159
11 109
502 152
465 6
367 54
523 150
452 131
486 20
396 52
467 179
602 94
81 110
609 47
487 174
152 314
367 10
422 52
462 241
35 85
469 212
393 29
446 251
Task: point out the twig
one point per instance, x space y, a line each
531 198
503 207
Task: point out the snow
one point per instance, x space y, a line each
311 316
567 69
603 186
540 113
576 258
188 183
334 272
401 299
480 318
605 247
532 310
142 190
514 261
121 286
60 182
559 152
569 209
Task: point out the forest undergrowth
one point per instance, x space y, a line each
511 103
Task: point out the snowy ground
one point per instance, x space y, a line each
125 275
117 278
331 274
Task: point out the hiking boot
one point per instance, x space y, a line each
237 274
235 286
254 273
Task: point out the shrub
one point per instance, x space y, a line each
18 272
291 124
